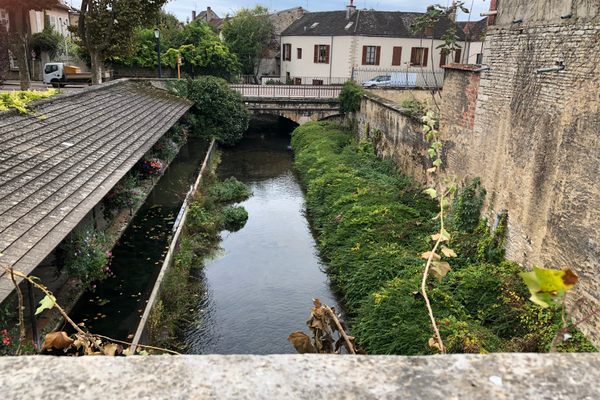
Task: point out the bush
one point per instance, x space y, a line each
234 218
87 257
372 224
414 108
47 41
229 191
350 97
219 112
126 194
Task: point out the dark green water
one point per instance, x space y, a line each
115 307
260 287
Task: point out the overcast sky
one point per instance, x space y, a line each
183 8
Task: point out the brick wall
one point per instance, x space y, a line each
534 139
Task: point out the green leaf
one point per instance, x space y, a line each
548 285
431 153
445 235
46 304
431 192
437 163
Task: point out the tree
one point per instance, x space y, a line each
48 40
4 61
18 16
218 111
249 34
203 53
106 27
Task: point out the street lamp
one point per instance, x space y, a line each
157 36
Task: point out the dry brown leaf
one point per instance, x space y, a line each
448 252
427 254
112 349
433 343
301 343
57 341
440 269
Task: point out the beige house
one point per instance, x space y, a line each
334 46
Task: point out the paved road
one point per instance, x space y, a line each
9 86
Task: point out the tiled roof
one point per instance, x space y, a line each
363 23
474 31
58 163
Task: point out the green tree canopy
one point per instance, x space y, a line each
248 34
218 111
107 27
18 15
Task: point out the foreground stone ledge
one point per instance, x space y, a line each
505 376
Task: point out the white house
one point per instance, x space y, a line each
474 41
333 46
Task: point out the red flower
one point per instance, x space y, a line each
6 341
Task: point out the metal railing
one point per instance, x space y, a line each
288 91
406 78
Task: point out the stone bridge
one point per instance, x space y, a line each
299 103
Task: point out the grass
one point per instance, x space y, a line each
372 223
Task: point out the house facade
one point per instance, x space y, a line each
334 46
474 41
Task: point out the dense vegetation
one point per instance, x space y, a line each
218 111
19 100
350 97
372 224
210 212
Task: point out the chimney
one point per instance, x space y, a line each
194 15
350 9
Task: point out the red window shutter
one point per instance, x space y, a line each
316 53
327 54
397 56
299 51
413 56
457 54
364 56
442 58
425 56
377 55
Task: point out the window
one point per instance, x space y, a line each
442 58
287 52
321 54
370 55
457 54
317 82
396 55
50 68
479 59
418 56
299 53
297 81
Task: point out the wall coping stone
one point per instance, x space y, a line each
463 67
458 376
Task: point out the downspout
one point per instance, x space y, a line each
330 58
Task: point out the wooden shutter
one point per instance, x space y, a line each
457 54
364 56
442 58
377 54
327 54
425 56
397 56
413 56
299 51
316 53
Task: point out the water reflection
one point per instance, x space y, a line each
259 289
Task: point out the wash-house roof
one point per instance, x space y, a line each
59 162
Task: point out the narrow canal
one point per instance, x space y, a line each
260 286
114 308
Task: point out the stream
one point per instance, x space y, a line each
259 288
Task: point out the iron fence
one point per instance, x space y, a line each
288 91
413 77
